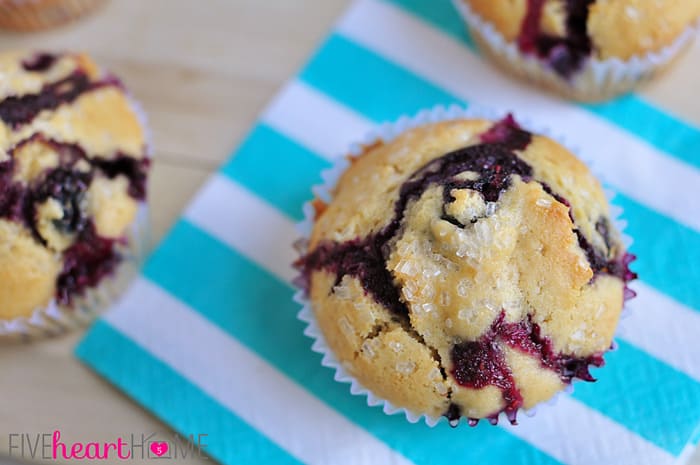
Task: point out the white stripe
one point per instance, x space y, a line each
656 318
237 378
664 328
334 132
247 224
577 435
627 162
289 109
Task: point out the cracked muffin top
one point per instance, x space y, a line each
565 33
466 268
73 169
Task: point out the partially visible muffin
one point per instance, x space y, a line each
465 269
574 39
32 15
73 170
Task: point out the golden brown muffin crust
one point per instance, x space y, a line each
623 29
27 272
505 15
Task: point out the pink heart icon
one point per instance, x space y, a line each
159 448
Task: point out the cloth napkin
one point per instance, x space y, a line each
207 337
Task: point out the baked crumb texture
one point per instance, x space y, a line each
73 170
466 269
567 32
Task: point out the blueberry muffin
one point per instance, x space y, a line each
73 170
31 15
466 268
585 49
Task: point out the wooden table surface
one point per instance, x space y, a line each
203 75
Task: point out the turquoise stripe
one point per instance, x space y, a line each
440 14
257 309
649 397
361 80
280 170
669 253
657 237
658 128
176 401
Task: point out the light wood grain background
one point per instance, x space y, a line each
203 71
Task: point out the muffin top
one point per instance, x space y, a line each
466 268
566 32
73 168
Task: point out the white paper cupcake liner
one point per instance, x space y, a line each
387 132
597 80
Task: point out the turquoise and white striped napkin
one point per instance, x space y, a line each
207 338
